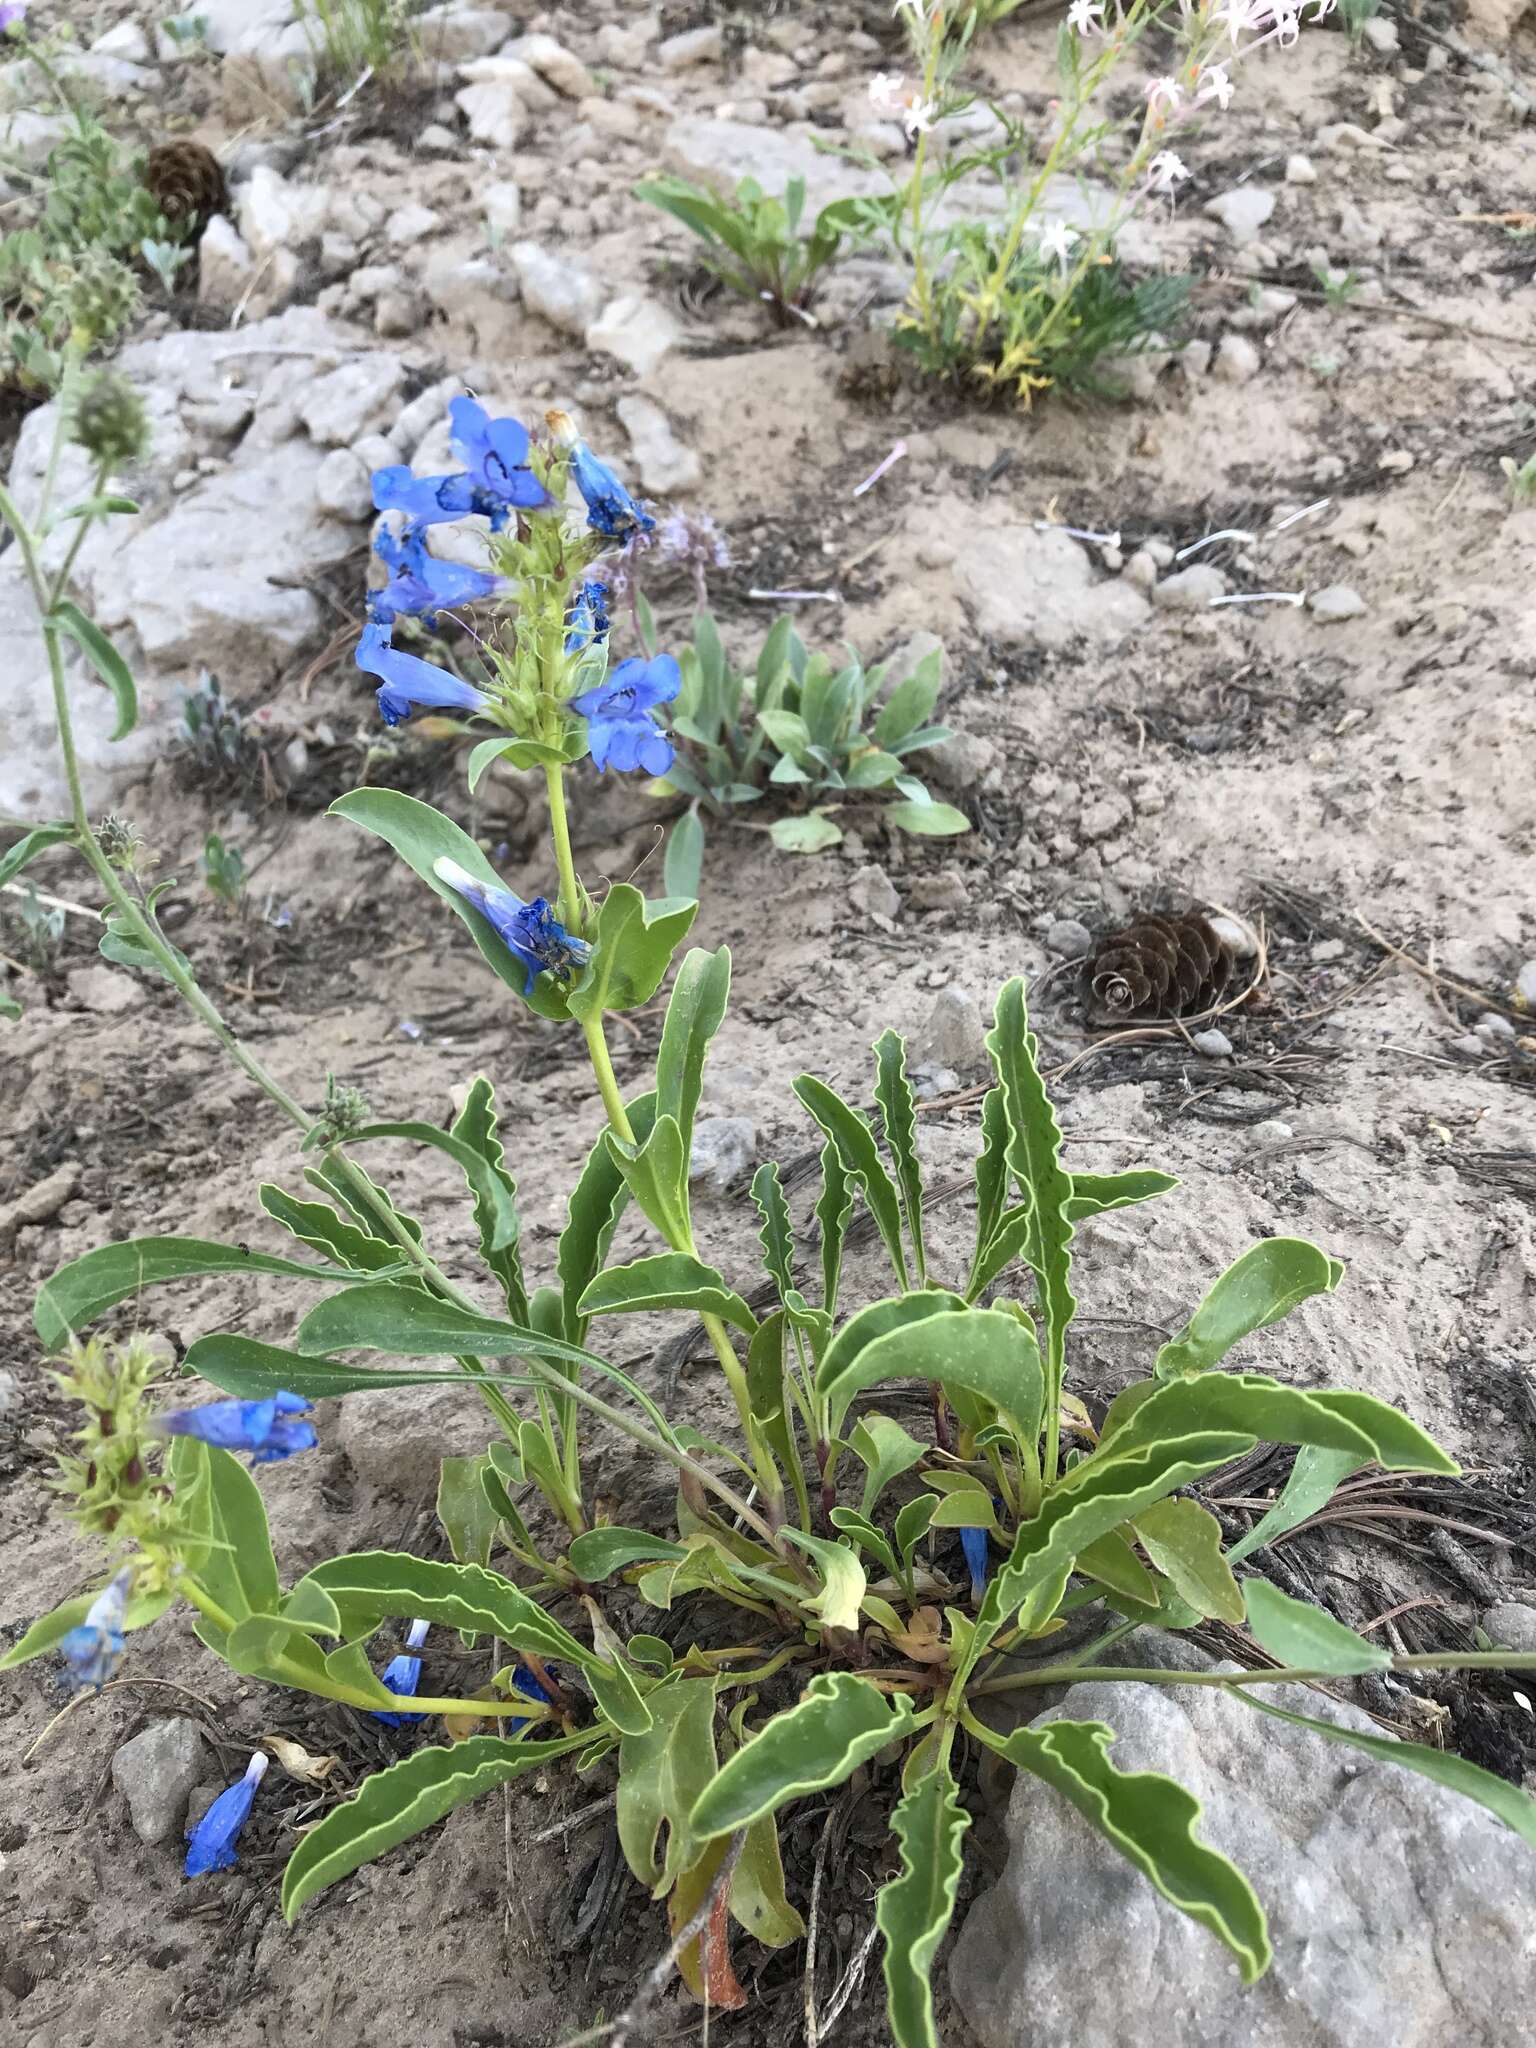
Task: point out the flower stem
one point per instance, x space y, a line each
560 831
1068 1674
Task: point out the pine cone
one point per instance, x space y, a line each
1158 967
186 182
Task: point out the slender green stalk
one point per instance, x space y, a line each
1069 1674
560 832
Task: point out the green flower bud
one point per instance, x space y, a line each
110 423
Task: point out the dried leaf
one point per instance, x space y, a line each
297 1761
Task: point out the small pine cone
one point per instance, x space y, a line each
186 182
1158 967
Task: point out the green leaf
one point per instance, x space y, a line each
1297 1633
87 1287
599 1553
67 617
1337 1420
661 1774
878 1320
382 1316
469 1521
319 1226
872 770
787 732
914 1909
777 1236
656 1174
989 1352
666 1280
598 1200
477 1128
1093 1193
30 845
632 949
1315 1477
682 866
1113 1563
886 1450
403 1800
96 507
928 821
860 1157
240 1571
911 703
898 1122
838 1723
1034 1154
813 833
758 1903
10 1009
1263 1285
254 1372
864 1533
842 1579
991 1183
49 1630
422 836
370 1586
1151 1821
833 1209
492 1189
1183 1540
695 1011
1507 1802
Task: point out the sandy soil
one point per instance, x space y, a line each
1338 785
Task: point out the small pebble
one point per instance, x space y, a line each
1338 601
1492 1026
1525 984
1326 950
1396 461
1236 937
1237 360
1069 938
1471 1047
1300 170
1214 1044
1271 1131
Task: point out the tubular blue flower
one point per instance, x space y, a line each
610 508
495 453
530 1687
93 1648
212 1840
402 1675
620 730
588 615
264 1428
531 931
420 585
410 684
429 500
974 1543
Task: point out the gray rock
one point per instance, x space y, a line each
494 110
1068 938
1213 1043
502 205
1141 570
1511 1625
638 330
449 34
724 1152
1326 950
1525 984
155 1773
342 406
1104 817
226 21
962 764
873 892
409 224
1237 361
275 214
665 464
562 293
1189 590
1338 601
555 64
693 46
929 1081
1300 170
224 263
1470 1046
1237 937
1494 1028
344 486
1242 211
1036 589
955 1034
127 41
10 1396
1272 1130
1398 1911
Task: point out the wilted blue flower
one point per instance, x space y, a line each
975 1545
212 1841
402 1675
495 452
93 1648
589 616
264 1428
410 684
610 508
527 1684
530 930
620 730
420 585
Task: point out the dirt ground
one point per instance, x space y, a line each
1348 788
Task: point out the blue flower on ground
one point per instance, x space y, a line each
620 730
93 1648
420 585
495 452
212 1840
410 684
610 508
402 1675
530 1687
529 930
975 1545
266 1429
589 616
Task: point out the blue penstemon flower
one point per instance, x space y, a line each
589 620
530 1687
421 584
268 1429
402 1675
529 930
211 1841
610 508
93 1648
620 729
495 482
407 683
976 1544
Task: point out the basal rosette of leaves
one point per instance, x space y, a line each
833 1589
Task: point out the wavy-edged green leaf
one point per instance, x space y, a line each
49 1630
915 1908
30 845
252 1371
849 1522
990 1352
10 1009
1265 1284
898 1122
598 1200
1034 1154
384 1316
370 1586
1183 1540
353 1189
695 1011
1306 1637
1113 1563
599 1553
911 1525
632 948
991 1182
656 1173
838 1723
860 1158
666 1280
492 1189
404 1800
1506 1802
1093 1193
661 1774
813 833
1314 1479
1332 1419
319 1226
87 1287
885 1450
842 1579
1151 1821
833 1208
478 1128
67 617
469 1521
777 1236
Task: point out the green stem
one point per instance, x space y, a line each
608 1081
1069 1674
560 831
